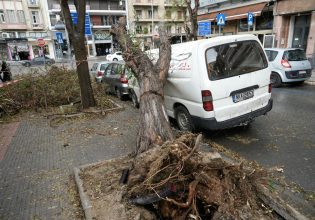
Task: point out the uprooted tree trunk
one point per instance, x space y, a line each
77 38
191 32
154 124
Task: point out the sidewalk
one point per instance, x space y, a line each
37 168
311 81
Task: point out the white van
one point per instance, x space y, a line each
216 83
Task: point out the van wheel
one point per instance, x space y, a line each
134 100
115 59
183 119
275 80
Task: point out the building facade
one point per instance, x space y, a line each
22 22
102 15
146 15
294 25
236 12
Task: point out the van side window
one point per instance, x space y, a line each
108 70
235 59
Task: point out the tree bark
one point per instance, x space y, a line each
192 31
154 125
77 38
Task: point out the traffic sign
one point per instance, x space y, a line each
220 19
87 31
59 37
250 18
41 42
204 28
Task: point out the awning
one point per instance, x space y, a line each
235 13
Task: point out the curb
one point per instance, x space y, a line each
85 202
312 83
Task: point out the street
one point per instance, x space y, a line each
284 138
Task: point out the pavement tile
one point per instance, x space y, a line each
35 170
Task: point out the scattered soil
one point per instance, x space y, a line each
175 181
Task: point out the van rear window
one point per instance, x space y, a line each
235 59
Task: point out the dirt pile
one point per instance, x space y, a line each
175 181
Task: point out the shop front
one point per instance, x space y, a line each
18 49
103 42
295 26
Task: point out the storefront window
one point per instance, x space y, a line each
40 51
243 26
265 21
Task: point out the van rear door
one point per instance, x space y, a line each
238 78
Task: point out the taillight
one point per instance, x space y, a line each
207 100
270 88
99 73
285 63
123 79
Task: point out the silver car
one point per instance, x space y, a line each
288 66
98 69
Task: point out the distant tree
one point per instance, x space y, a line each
77 38
192 29
154 126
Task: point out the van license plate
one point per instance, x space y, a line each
243 96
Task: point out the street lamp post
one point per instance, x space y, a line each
152 23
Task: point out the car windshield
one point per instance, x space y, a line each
294 55
235 59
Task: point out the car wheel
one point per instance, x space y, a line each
275 80
48 63
27 64
183 118
118 94
115 59
134 99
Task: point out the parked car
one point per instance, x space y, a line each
38 61
117 56
216 83
288 66
116 77
98 69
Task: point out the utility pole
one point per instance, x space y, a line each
152 23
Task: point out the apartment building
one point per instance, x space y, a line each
146 15
22 22
236 12
102 14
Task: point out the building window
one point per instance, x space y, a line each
21 16
53 19
138 14
168 14
265 21
150 14
138 29
22 34
179 30
11 16
35 17
168 29
2 16
179 15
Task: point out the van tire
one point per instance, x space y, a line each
183 119
275 80
115 59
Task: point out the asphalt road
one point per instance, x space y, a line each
285 137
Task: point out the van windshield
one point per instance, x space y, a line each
235 59
294 55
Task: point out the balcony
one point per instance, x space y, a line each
145 3
33 3
37 26
174 3
147 19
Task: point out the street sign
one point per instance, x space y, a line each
204 28
41 42
87 31
250 18
59 37
220 19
